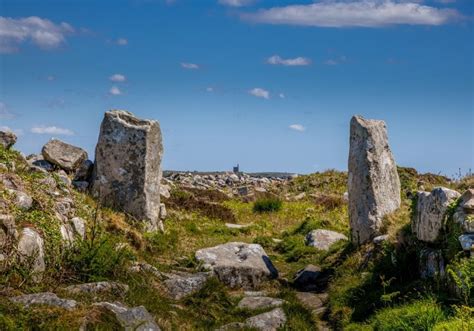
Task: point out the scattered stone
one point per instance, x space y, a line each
243 191
464 214
380 239
7 139
31 251
430 214
313 302
45 298
431 264
466 241
374 186
7 224
307 278
136 319
98 288
81 186
63 155
63 178
67 234
165 191
255 293
300 196
84 172
323 239
79 226
163 212
269 321
182 284
237 226
254 303
238 264
39 162
22 200
129 178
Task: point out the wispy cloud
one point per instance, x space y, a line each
114 90
209 89
260 93
188 65
297 127
355 13
121 42
297 61
118 78
282 96
5 112
39 31
52 130
336 60
236 3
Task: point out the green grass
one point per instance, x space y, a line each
267 205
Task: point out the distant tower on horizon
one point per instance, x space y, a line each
236 169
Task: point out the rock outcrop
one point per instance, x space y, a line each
45 298
430 214
238 264
374 186
63 155
323 239
126 172
7 139
136 319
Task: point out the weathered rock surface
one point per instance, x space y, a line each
46 298
238 264
467 241
31 251
79 226
131 319
65 156
374 186
307 278
464 214
430 214
323 239
84 171
431 263
21 199
181 284
315 302
7 139
255 302
269 321
127 166
98 288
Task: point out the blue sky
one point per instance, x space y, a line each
271 85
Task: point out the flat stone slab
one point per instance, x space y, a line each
45 298
323 239
98 288
136 319
183 284
237 226
312 301
269 321
254 303
238 264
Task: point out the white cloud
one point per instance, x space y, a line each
187 65
51 130
281 95
50 78
236 3
121 42
118 78
210 89
39 31
260 93
297 61
5 113
354 13
114 90
297 127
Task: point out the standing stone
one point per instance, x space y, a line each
65 156
127 166
374 186
430 214
7 139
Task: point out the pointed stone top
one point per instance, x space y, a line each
358 119
128 118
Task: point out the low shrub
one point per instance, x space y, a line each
269 204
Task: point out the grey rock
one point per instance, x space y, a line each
163 212
254 303
314 302
84 171
67 234
98 288
7 139
79 226
466 241
165 191
373 184
237 226
183 284
45 298
31 252
269 321
131 319
63 155
127 166
430 214
431 263
37 160
7 224
238 264
21 199
380 239
307 278
81 186
464 214
323 239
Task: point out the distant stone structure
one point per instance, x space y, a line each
373 185
236 169
127 171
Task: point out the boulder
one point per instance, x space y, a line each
63 155
467 242
238 264
45 298
21 199
136 319
464 214
373 183
431 263
256 302
37 161
323 239
31 252
84 171
430 213
181 284
7 139
126 172
307 278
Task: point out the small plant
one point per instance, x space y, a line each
265 205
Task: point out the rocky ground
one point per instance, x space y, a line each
236 252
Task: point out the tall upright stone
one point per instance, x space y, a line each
126 172
374 186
